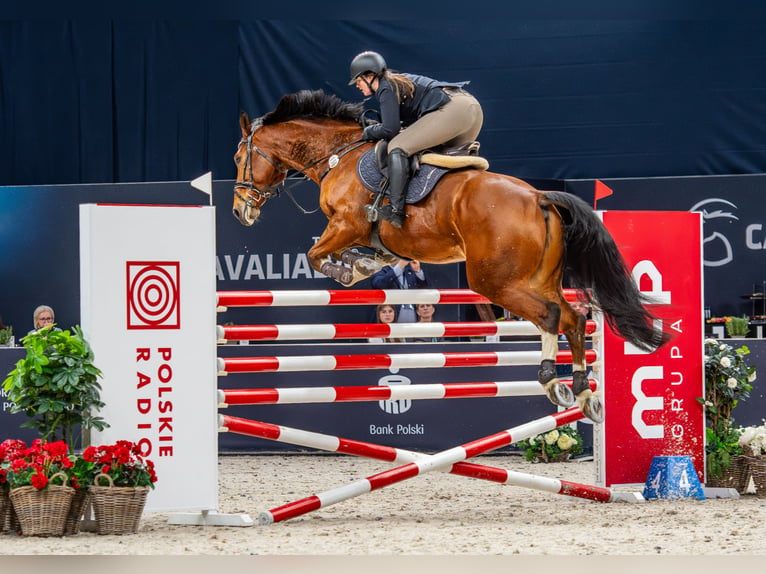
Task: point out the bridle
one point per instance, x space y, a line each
258 196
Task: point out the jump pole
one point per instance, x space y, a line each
424 464
313 298
304 395
387 361
330 443
365 330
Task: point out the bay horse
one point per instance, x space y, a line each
517 242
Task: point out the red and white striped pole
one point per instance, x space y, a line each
386 361
355 297
384 330
304 395
426 463
380 452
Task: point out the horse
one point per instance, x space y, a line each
517 242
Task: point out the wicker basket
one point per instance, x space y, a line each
42 512
736 476
8 519
80 502
117 509
758 472
560 457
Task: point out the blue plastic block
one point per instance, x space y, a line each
673 477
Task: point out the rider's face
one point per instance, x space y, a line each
363 84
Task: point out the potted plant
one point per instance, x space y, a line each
56 384
557 445
753 442
37 478
737 326
9 449
123 480
6 336
728 380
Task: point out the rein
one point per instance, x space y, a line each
274 190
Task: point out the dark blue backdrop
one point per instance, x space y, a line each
99 100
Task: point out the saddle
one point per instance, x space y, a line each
427 168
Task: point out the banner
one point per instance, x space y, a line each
147 280
650 398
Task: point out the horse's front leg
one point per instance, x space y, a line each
361 262
337 239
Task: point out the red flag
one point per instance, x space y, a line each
602 190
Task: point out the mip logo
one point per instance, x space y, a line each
717 250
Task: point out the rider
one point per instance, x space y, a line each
433 112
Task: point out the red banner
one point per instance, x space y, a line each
650 398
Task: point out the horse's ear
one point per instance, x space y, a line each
244 124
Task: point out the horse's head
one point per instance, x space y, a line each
259 175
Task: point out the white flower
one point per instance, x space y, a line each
731 382
711 342
532 441
708 403
725 362
552 437
751 377
747 435
722 348
565 442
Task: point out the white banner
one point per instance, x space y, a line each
147 280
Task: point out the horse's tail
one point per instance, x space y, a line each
593 262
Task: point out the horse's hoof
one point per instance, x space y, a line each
559 394
593 408
367 267
346 277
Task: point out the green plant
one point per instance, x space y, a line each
548 446
56 384
728 380
737 326
5 335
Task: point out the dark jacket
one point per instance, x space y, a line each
386 279
394 115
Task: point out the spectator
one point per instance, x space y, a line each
42 317
385 313
425 313
402 275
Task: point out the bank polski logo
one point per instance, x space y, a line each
394 406
153 293
716 247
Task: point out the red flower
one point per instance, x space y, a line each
39 480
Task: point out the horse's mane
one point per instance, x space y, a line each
308 103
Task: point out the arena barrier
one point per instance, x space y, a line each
451 460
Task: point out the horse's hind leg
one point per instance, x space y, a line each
573 327
558 393
545 314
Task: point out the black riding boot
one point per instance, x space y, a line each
398 178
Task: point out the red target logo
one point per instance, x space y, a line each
153 295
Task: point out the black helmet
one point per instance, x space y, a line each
366 62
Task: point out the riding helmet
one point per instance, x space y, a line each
366 62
